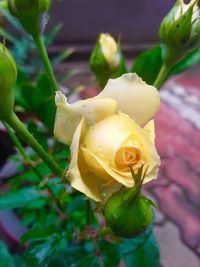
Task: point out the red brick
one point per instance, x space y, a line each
185 150
171 201
191 84
168 120
177 171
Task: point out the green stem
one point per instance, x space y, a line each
14 122
45 59
88 211
162 75
16 141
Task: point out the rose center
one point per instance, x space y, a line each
127 157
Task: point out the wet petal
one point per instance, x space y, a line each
133 96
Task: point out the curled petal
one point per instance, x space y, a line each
109 172
133 96
69 115
84 182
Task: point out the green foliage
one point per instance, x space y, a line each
19 199
5 257
144 252
187 62
151 58
39 100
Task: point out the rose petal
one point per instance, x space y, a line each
88 155
133 96
69 116
84 182
150 130
107 136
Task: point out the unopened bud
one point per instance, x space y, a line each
128 213
106 58
8 75
30 13
128 219
180 30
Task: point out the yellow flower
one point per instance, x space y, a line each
107 141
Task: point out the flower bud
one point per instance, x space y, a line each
128 219
30 13
127 212
180 31
106 58
8 75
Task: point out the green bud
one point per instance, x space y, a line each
128 213
8 75
106 58
30 13
179 31
128 219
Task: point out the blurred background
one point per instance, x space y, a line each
137 22
177 190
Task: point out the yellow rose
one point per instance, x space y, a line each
107 141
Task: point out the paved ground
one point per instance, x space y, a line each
177 189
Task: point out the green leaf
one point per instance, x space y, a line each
89 260
39 233
110 253
141 252
147 65
40 100
52 34
40 254
47 110
187 62
20 198
5 258
62 56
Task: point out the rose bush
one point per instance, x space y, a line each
107 139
